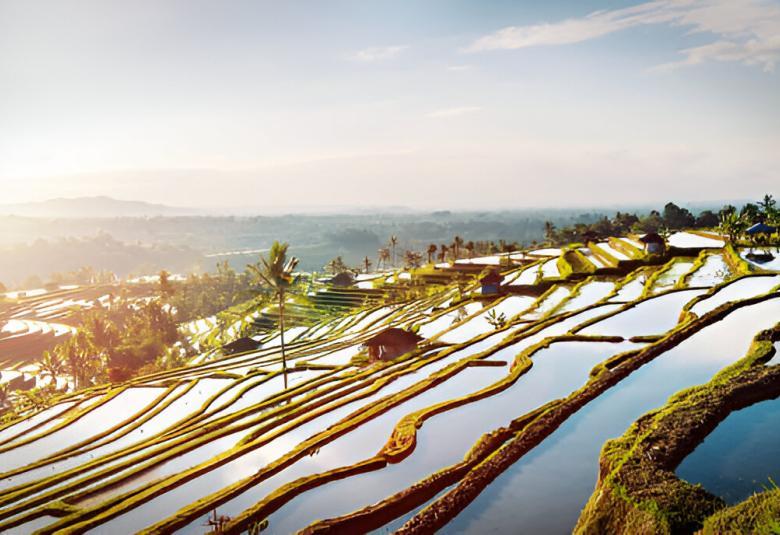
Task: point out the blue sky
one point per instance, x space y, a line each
441 103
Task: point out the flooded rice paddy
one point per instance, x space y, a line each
167 452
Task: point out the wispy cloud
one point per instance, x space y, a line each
378 53
454 112
746 31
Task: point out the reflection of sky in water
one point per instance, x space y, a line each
654 316
740 289
545 490
740 455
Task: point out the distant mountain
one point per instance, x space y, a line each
89 207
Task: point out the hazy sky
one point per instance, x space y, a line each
426 103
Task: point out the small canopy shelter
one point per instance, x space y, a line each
391 343
653 242
761 228
491 282
345 278
241 345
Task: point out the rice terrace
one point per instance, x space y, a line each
464 395
349 266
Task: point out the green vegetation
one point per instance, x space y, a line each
638 490
729 221
259 413
276 274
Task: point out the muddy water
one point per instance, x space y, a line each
740 456
545 490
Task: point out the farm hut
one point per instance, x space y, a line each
491 282
240 345
391 343
654 243
343 279
761 228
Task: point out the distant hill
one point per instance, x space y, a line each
88 207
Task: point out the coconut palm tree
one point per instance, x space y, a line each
469 248
367 263
768 207
549 231
443 252
457 243
412 259
393 243
383 255
276 274
431 252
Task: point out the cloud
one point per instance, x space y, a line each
453 112
378 53
745 31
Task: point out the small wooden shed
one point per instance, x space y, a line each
491 282
391 343
654 243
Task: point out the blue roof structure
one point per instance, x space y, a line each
761 228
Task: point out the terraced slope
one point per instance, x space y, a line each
485 426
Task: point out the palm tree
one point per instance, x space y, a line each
549 231
443 252
469 248
166 290
768 207
367 263
337 266
431 252
276 274
393 243
413 259
457 243
383 255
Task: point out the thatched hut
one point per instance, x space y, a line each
491 282
653 242
391 343
343 279
240 345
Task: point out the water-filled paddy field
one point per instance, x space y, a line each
359 445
